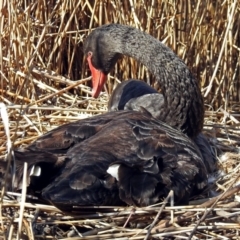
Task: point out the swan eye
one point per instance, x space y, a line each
90 54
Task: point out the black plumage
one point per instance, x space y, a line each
136 95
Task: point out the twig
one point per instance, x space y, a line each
170 195
209 203
213 205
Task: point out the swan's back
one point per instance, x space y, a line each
135 94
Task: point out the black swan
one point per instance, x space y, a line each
145 157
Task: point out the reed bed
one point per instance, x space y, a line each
44 82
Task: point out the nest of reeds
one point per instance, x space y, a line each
44 83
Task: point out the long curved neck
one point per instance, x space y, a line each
183 108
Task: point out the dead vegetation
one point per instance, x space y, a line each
44 81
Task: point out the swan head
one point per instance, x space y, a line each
102 55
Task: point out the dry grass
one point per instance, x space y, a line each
44 84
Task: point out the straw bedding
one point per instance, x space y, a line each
45 83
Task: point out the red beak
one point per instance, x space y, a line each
98 78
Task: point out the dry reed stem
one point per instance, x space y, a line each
230 22
166 200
